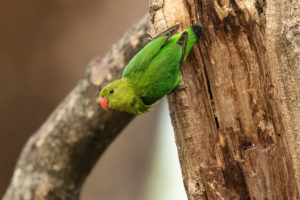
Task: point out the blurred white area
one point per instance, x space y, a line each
164 181
157 174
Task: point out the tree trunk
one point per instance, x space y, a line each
58 157
237 122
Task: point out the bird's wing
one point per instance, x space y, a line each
142 59
162 75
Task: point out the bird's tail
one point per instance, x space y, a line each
194 33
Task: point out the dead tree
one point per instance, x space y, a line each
237 123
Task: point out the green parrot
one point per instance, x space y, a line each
152 72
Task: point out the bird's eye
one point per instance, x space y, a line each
111 91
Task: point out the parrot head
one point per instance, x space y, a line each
112 94
119 95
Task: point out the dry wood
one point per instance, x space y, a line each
237 123
57 158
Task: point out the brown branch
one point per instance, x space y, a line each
57 158
237 123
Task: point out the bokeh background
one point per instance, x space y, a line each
44 48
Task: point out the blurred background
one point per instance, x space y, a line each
44 48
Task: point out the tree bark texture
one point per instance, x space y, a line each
58 157
237 123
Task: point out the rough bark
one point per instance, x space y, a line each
57 158
237 122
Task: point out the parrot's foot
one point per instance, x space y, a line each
181 87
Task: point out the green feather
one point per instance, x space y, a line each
153 72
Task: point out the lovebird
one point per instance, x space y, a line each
152 73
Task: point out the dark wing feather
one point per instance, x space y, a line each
182 41
169 32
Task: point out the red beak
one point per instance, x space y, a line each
104 102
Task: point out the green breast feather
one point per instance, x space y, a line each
152 73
